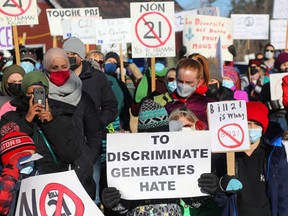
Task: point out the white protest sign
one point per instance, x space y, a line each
280 9
209 11
6 41
80 27
158 165
110 31
105 48
55 16
18 12
250 27
179 19
278 31
152 29
55 194
228 126
201 34
276 85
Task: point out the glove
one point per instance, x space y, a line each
230 184
110 197
232 50
13 167
182 52
208 182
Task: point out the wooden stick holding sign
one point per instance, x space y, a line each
153 75
121 64
24 37
16 44
55 42
230 157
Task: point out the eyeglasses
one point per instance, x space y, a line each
267 50
170 79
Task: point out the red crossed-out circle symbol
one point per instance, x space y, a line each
152 32
231 136
79 206
15 7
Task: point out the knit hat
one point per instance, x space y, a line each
75 45
152 117
281 58
257 111
215 73
230 72
34 78
13 141
112 55
28 55
255 61
53 53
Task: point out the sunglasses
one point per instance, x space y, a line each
272 51
170 79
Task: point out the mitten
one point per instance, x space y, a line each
209 182
110 197
230 184
14 167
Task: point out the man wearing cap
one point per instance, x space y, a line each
94 81
28 59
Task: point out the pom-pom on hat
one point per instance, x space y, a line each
75 45
152 117
257 111
13 141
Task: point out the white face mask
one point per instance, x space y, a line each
269 55
187 129
185 90
228 83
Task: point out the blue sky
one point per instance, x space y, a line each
223 5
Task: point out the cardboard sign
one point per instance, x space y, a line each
201 34
228 126
55 194
278 31
6 41
276 86
18 12
158 165
55 16
153 32
280 9
251 27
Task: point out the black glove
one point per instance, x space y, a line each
208 182
110 197
232 50
182 52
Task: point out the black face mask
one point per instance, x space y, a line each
212 91
72 61
14 89
253 70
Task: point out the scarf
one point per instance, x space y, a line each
70 92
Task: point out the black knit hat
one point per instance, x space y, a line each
112 55
152 117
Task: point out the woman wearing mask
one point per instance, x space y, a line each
269 60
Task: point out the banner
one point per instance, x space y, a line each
158 165
280 9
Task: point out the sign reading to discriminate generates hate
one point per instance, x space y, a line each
152 29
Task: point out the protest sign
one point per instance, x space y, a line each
276 86
54 194
55 17
250 27
105 48
18 12
201 34
278 31
152 29
228 126
6 38
110 31
158 165
280 9
209 11
179 19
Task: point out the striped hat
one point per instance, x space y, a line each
13 141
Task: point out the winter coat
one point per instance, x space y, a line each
98 88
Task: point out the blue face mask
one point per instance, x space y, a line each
255 134
159 67
110 68
28 168
172 86
228 83
27 66
38 65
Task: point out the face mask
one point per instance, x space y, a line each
59 77
27 66
14 89
228 83
72 61
255 134
110 68
212 91
269 55
159 67
184 90
28 168
172 86
37 65
254 70
187 129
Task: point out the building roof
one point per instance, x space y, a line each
108 8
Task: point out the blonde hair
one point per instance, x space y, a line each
183 112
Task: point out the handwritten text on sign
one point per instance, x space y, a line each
6 38
201 34
228 126
160 165
153 29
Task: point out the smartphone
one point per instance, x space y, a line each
39 96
